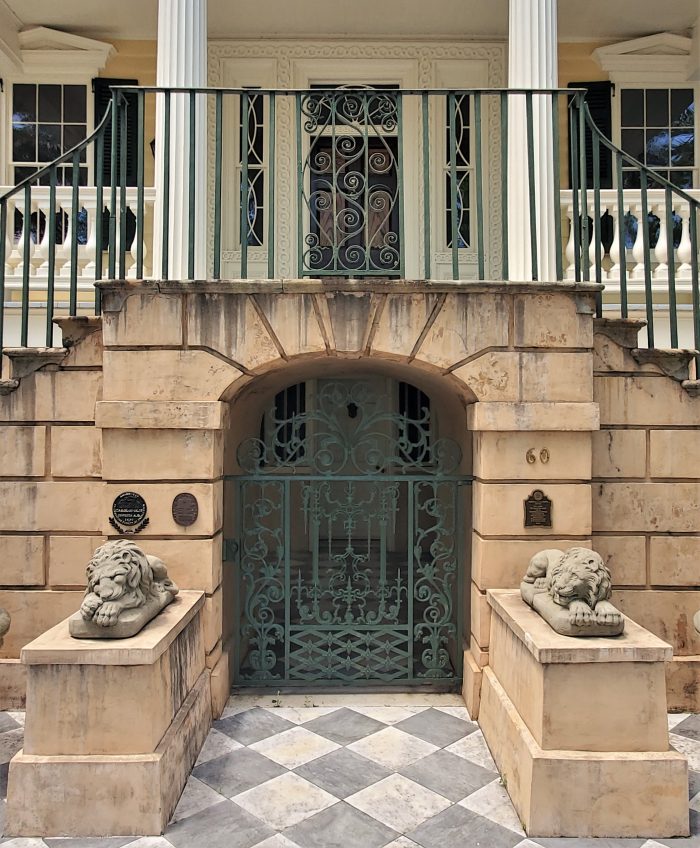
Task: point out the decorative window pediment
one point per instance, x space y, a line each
44 50
664 57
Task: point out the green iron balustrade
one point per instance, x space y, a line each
349 182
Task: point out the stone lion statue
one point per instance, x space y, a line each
4 623
126 589
571 591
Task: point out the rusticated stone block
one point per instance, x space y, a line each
22 451
75 452
528 456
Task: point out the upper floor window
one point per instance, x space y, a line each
47 120
657 127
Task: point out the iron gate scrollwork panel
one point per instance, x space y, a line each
349 544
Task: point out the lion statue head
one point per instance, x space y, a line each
579 575
121 576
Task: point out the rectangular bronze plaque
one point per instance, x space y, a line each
538 510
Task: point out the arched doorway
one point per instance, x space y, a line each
350 538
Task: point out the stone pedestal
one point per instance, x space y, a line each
578 728
112 728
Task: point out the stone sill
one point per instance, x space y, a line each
635 645
58 647
334 284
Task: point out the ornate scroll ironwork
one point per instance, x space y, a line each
349 544
350 184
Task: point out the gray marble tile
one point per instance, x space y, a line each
340 826
252 725
10 743
344 726
225 825
4 769
285 801
343 772
8 723
693 783
437 727
398 802
237 772
216 745
582 842
689 727
449 775
457 826
196 796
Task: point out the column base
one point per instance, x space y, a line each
583 793
124 795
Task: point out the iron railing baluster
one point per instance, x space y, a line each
245 199
51 271
574 119
479 188
556 179
271 189
597 229
427 201
26 262
583 179
113 176
218 152
695 282
3 257
454 213
74 210
192 188
622 239
400 187
165 236
531 185
648 291
504 184
671 266
140 202
124 117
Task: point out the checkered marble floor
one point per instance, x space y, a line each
375 771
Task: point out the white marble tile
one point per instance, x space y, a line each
457 712
398 802
392 748
216 745
688 747
389 715
277 841
150 842
10 742
234 707
676 718
300 715
695 803
492 802
17 715
473 748
648 844
24 842
526 843
285 800
294 747
196 796
402 842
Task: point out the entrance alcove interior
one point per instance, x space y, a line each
438 474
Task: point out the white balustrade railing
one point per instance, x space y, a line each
620 229
38 220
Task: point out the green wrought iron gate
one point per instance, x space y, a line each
349 542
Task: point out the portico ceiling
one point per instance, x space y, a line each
591 20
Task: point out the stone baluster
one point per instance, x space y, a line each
617 247
569 250
685 248
12 254
40 259
65 204
26 222
86 252
638 247
661 251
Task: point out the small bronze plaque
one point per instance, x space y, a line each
129 513
185 509
538 510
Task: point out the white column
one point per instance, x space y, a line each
182 61
532 63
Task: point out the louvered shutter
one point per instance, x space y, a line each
103 96
598 98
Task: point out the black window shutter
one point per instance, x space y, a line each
598 98
103 96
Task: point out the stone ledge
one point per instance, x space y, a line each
161 415
635 645
26 360
57 647
541 417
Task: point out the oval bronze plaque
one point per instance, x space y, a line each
185 509
129 509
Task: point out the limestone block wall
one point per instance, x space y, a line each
50 494
646 499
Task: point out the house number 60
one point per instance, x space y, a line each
531 456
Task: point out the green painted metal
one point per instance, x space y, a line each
454 212
349 545
192 188
621 236
671 265
583 177
50 280
123 122
504 182
165 235
3 256
271 190
245 186
400 188
649 294
302 223
27 232
574 118
598 258
531 185
556 178
218 152
350 182
99 207
74 210
695 281
425 120
479 187
113 181
140 205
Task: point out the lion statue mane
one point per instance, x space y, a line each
576 582
122 577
